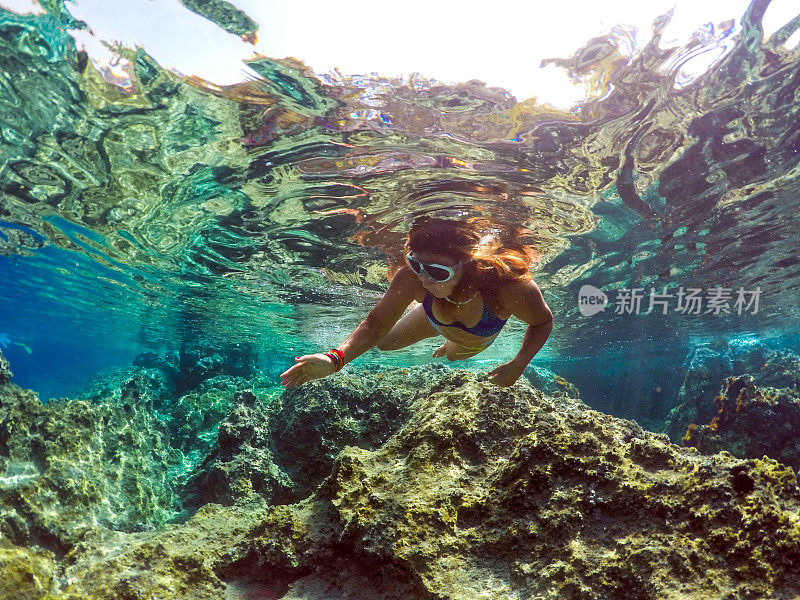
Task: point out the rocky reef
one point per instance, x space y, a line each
5 370
707 367
283 450
115 457
752 422
744 401
415 484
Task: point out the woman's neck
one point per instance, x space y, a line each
460 297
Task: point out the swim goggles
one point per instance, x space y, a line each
437 272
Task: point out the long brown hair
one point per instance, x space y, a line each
498 255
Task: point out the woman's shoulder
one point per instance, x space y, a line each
513 289
524 300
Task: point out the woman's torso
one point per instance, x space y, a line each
470 315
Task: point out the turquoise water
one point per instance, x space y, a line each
145 217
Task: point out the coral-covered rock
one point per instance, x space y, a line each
68 466
194 418
5 370
707 367
752 422
473 492
284 449
116 457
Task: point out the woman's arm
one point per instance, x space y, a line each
525 301
382 318
365 336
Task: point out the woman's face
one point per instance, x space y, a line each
436 288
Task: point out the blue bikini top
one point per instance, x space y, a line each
488 325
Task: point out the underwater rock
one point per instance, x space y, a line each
150 388
780 370
752 422
567 502
5 370
283 450
194 418
550 382
242 463
25 574
191 418
180 561
116 457
707 367
199 361
69 466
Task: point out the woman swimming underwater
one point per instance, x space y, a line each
460 273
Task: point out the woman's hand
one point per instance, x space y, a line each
506 374
311 366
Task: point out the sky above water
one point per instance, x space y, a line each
449 42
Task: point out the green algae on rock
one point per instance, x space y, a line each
744 401
283 450
752 422
460 490
25 574
117 457
71 466
510 494
5 370
704 368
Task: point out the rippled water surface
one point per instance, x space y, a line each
142 210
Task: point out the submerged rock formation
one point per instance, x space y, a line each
752 422
706 367
70 466
498 493
284 449
444 487
754 413
5 370
116 458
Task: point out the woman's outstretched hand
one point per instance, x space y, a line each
506 374
306 368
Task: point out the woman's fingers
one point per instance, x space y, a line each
293 381
293 375
298 373
305 369
290 371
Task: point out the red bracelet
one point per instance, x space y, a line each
335 359
340 354
338 358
